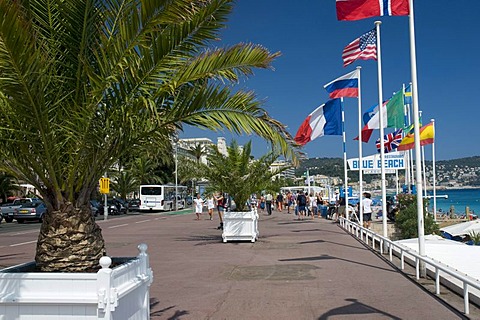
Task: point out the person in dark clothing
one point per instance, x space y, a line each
302 204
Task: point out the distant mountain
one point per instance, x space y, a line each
333 167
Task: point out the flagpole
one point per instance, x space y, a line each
406 123
345 192
434 174
360 161
382 140
416 121
410 154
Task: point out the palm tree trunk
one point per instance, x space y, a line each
69 241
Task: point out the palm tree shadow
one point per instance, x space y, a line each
355 308
177 315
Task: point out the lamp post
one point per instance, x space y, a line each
176 174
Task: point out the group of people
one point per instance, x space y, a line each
219 200
303 205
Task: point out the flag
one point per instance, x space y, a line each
371 112
409 129
362 9
427 136
345 86
390 141
408 94
392 117
325 120
364 48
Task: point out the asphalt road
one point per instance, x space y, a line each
296 270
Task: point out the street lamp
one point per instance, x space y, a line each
176 174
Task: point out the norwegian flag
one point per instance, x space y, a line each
391 141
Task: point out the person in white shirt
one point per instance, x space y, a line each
367 210
210 205
198 206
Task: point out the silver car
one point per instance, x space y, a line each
30 211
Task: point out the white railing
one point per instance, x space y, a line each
120 292
367 236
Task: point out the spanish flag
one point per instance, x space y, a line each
427 136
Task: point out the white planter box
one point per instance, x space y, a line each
240 226
118 293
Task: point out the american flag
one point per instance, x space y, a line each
364 48
391 141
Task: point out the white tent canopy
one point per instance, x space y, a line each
463 228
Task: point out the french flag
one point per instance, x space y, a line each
323 121
362 9
345 86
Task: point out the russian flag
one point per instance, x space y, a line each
345 86
325 120
362 9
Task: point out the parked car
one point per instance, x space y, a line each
94 207
134 204
1 216
30 211
8 209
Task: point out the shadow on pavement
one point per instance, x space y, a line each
355 308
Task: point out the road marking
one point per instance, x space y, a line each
118 226
22 243
26 232
143 221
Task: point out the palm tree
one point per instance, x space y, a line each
238 175
198 151
124 183
83 83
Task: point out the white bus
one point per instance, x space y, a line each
161 197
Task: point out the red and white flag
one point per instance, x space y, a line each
362 9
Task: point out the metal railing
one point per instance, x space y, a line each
366 235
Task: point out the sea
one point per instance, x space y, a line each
459 199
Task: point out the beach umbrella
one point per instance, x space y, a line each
463 228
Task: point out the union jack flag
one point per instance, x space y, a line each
391 141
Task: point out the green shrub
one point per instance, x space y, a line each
407 218
475 237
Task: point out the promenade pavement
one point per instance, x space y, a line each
308 269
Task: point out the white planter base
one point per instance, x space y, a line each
240 226
118 293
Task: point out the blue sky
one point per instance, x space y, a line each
311 41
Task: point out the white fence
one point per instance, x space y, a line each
121 292
372 239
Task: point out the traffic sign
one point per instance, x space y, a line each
104 185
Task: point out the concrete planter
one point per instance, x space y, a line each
238 226
121 292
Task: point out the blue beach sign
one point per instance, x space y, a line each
372 164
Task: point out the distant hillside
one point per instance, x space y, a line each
333 167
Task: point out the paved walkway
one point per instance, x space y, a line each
296 270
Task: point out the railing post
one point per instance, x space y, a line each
437 280
146 272
106 297
465 298
417 268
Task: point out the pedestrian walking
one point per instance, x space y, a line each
210 205
220 208
280 202
198 206
367 210
301 205
268 203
